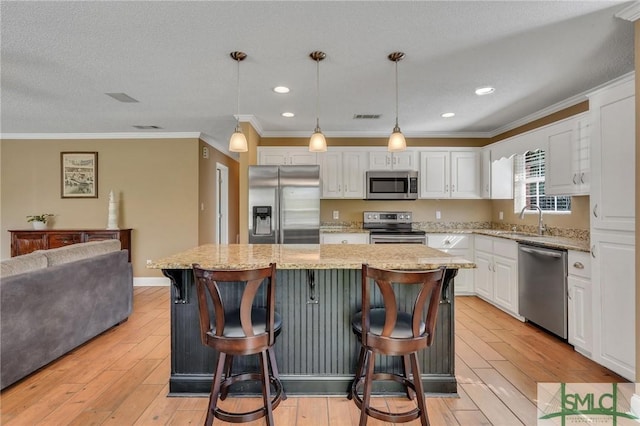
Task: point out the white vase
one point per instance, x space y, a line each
39 225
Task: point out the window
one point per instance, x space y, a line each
529 185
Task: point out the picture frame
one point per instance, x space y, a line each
79 174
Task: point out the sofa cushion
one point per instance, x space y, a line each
20 264
80 251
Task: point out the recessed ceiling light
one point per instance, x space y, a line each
448 114
288 114
281 89
485 90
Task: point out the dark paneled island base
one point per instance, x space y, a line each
316 350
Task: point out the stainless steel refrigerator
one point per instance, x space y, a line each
284 204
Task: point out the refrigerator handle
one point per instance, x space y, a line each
279 201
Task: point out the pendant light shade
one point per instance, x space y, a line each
396 140
238 142
317 143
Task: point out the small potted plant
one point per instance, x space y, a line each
39 221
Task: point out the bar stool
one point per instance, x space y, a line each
239 328
389 331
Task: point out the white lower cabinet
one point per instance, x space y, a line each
496 273
579 307
456 245
614 296
344 238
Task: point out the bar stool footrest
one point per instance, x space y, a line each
256 414
386 416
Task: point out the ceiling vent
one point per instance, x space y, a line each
122 97
141 127
366 116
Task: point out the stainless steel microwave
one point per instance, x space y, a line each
392 185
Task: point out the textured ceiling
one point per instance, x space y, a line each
60 58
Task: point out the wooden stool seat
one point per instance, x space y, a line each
389 331
240 328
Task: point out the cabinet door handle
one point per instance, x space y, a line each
447 242
595 210
578 265
388 160
593 251
582 177
569 290
446 188
345 242
575 176
453 188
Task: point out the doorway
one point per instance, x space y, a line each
222 204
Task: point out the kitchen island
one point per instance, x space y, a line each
317 292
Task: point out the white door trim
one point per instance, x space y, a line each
222 204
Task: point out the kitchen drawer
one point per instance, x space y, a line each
505 248
484 244
64 239
344 238
448 241
579 264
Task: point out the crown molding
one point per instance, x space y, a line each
220 146
115 135
630 13
375 134
251 119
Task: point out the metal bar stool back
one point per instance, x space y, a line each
240 328
390 331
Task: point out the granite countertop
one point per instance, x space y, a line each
312 256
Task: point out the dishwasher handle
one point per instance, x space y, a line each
541 252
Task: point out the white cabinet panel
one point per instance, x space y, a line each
456 245
485 170
614 310
344 238
465 174
384 160
286 156
450 174
342 173
579 309
434 174
496 275
613 158
568 165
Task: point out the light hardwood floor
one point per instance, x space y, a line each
120 377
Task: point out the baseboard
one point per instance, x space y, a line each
150 281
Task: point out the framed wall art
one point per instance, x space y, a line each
79 174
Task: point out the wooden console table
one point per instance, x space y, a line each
25 241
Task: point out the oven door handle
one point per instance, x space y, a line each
398 239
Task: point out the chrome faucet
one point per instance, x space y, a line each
540 224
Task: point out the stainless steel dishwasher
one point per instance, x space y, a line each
542 287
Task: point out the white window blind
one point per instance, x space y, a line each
529 180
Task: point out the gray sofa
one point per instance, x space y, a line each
52 301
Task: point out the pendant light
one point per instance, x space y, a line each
396 140
317 143
238 142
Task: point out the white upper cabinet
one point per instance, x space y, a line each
450 174
384 160
286 156
496 176
613 158
342 173
485 170
568 166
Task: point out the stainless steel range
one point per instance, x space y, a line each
392 228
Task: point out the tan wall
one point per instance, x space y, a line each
577 219
156 181
423 210
207 194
